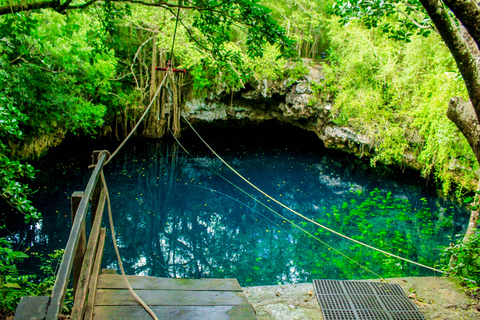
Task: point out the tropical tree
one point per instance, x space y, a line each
214 19
458 23
58 70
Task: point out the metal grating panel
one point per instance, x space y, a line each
335 302
364 300
372 314
339 314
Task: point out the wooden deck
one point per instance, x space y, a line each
170 299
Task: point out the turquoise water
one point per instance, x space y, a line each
175 217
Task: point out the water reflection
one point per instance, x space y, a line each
174 217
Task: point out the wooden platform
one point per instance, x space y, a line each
169 298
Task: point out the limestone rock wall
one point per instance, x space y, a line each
299 102
288 101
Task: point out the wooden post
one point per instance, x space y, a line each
96 191
78 258
92 289
94 201
88 262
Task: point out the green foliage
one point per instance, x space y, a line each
462 259
13 172
396 94
305 23
54 81
409 16
267 67
10 281
14 285
54 72
298 70
388 223
15 192
216 25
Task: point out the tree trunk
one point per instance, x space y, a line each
462 114
154 128
472 224
462 39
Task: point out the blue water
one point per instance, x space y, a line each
175 217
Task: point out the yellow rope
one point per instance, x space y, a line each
278 214
302 216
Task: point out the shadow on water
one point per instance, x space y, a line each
175 217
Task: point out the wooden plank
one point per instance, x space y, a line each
88 261
78 258
106 297
60 287
114 281
95 202
239 312
32 308
96 271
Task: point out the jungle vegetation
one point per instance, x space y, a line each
85 68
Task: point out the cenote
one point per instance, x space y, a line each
176 217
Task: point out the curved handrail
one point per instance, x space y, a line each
63 275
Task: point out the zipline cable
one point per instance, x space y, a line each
266 218
304 217
284 218
175 33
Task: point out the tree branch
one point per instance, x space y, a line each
28 6
55 5
462 114
189 33
413 20
468 12
456 43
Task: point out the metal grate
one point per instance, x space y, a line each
364 300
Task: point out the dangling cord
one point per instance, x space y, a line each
110 218
174 35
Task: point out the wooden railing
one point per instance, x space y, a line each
81 256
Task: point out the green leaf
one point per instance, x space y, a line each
468 200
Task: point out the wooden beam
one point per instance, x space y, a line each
95 273
238 312
94 200
115 281
88 261
32 308
79 253
61 283
106 297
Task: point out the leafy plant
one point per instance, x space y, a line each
462 259
396 95
14 285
